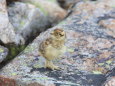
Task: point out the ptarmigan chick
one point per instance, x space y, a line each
53 47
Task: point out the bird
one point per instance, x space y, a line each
53 47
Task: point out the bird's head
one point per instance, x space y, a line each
58 34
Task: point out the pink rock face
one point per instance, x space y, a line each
91 9
109 24
110 82
7 82
7 33
88 46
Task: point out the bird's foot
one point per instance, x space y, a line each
53 67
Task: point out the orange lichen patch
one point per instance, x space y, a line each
7 82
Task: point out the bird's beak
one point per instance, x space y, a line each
51 33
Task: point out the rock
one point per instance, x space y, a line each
3 53
110 78
7 33
50 8
111 73
94 19
94 12
67 4
90 55
109 24
110 82
27 20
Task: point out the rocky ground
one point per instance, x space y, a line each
90 30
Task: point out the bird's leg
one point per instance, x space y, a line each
49 64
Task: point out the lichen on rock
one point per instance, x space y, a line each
90 55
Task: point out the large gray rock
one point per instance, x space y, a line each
7 33
90 54
28 21
50 8
3 53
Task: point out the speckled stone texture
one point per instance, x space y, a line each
110 78
7 33
90 51
27 20
50 8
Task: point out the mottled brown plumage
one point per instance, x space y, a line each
53 47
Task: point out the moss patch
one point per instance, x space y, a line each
30 48
52 1
22 23
1 50
14 51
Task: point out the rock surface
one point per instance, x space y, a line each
7 33
110 78
3 53
25 20
90 53
50 8
28 21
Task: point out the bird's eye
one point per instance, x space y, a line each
61 34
